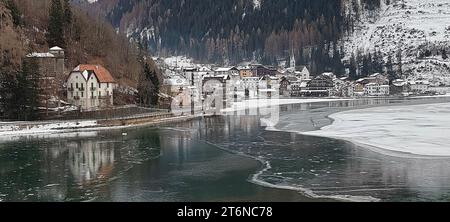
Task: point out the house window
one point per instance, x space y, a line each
99 94
99 85
82 85
76 85
71 85
92 85
107 85
82 94
92 95
71 94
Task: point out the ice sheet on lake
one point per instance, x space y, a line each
419 129
258 103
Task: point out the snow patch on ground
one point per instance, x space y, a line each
420 130
24 128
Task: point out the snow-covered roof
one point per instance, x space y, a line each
56 48
40 55
329 74
376 75
360 80
223 69
399 82
204 69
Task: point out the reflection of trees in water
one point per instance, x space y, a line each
91 160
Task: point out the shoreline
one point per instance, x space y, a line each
381 149
27 128
47 128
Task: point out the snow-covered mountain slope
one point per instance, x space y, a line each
412 26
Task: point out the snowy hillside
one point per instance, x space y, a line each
420 29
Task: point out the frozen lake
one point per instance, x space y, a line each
226 158
415 129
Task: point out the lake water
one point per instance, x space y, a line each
230 158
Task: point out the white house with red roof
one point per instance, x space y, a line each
90 87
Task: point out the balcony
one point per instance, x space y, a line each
76 98
93 88
71 89
82 89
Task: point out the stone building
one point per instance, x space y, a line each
51 76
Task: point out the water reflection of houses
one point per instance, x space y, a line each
90 160
179 142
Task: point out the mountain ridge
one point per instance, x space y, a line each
419 30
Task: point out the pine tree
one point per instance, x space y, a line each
338 66
352 68
19 92
67 13
399 63
8 75
8 103
148 87
390 69
15 12
378 62
55 35
27 91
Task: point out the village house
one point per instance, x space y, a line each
176 87
374 78
285 84
216 84
90 87
358 89
340 88
194 77
269 86
261 71
320 86
375 89
226 71
296 87
419 86
245 72
399 87
303 72
251 86
348 89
